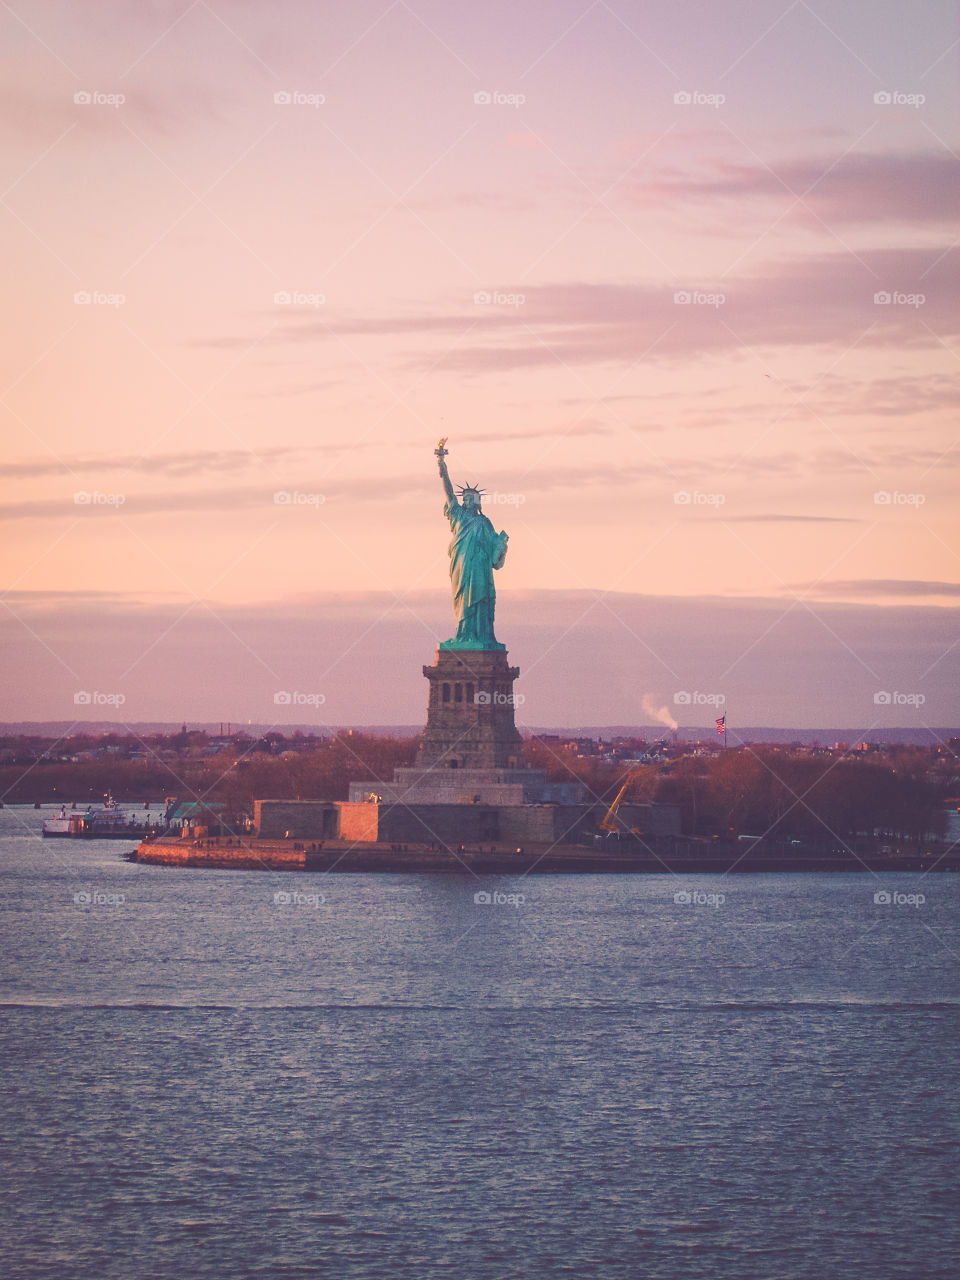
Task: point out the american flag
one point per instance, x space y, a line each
722 725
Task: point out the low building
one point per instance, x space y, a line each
423 823
315 820
191 814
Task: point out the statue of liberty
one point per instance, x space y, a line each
476 549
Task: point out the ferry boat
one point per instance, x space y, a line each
110 822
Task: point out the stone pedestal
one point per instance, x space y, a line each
471 751
470 712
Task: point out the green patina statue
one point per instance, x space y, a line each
476 549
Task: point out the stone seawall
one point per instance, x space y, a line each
254 855
328 856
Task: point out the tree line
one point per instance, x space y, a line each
768 791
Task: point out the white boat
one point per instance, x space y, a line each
60 825
111 820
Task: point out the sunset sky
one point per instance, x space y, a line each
678 280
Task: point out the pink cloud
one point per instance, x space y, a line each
921 187
829 298
812 301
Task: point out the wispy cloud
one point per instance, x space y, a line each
784 518
913 188
655 477
878 587
186 462
795 301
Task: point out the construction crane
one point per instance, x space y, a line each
609 820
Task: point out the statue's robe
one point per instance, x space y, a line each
476 549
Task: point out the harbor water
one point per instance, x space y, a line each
251 1074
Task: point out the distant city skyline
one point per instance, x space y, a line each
679 285
826 737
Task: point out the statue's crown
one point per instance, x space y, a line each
471 488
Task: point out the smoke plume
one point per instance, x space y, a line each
660 714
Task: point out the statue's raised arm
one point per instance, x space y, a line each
441 453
